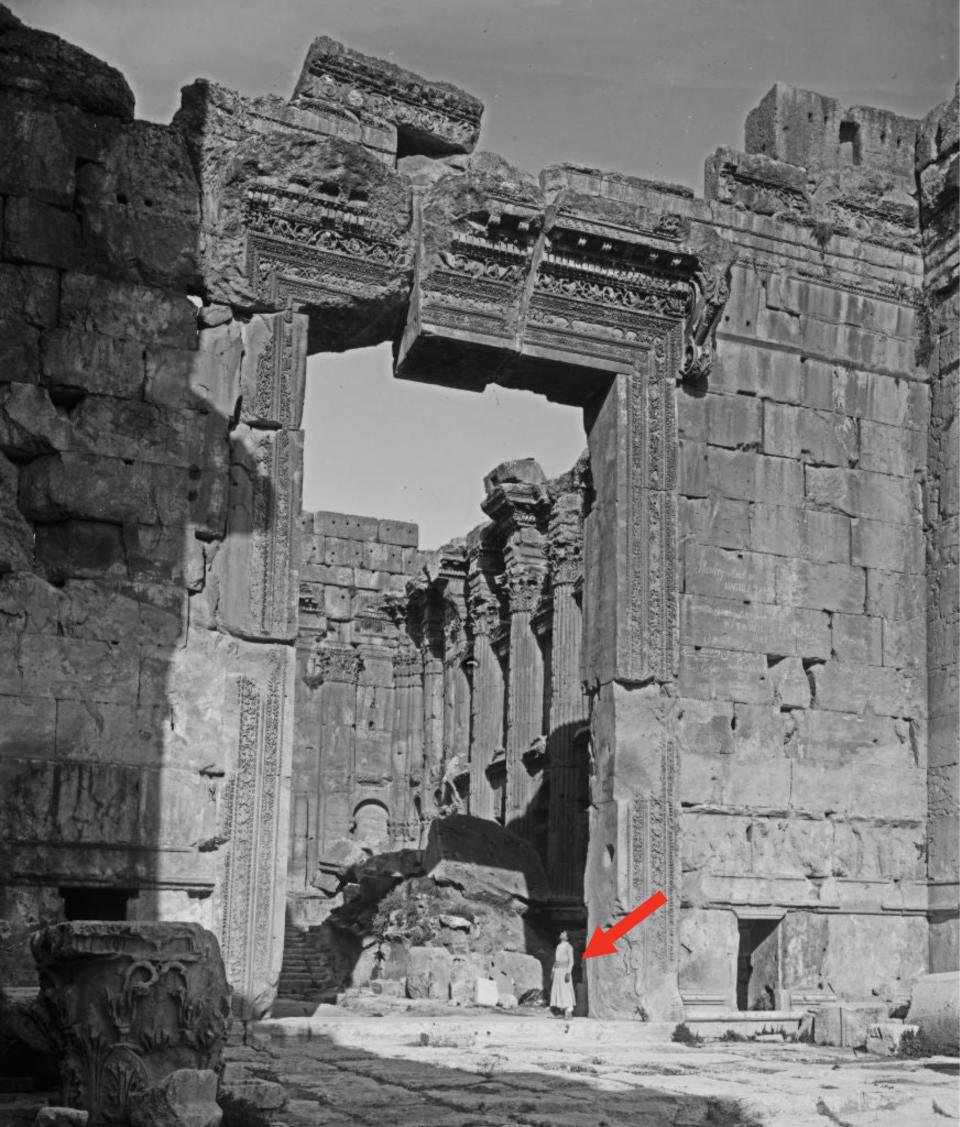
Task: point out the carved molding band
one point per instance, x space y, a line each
254 825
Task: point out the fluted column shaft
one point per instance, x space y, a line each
566 717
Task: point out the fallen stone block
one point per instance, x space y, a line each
428 973
184 1098
486 992
847 1023
884 1037
935 1009
507 1001
61 1117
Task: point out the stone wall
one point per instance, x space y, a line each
802 716
937 160
353 758
149 488
768 522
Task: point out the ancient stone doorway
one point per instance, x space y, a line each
758 964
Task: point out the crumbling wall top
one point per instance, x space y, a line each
37 62
814 131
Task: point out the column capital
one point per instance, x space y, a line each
524 587
332 662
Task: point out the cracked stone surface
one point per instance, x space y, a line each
507 1071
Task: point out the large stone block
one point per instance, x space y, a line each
771 373
753 477
892 792
40 158
757 627
900 451
733 421
433 118
858 639
890 547
483 860
709 942
852 954
203 379
934 1007
29 293
857 493
187 1097
825 586
719 674
40 234
141 208
882 399
743 575
428 973
92 362
846 736
123 309
789 530
56 487
845 686
717 521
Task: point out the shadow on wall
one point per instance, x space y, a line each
138 510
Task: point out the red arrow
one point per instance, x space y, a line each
603 941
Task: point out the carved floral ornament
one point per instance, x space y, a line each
333 663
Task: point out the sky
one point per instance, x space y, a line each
646 87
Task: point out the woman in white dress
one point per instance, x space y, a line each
561 985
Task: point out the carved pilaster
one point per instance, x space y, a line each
273 369
255 824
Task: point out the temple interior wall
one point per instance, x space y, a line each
769 585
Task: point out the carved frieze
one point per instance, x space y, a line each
305 247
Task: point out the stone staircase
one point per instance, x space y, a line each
308 973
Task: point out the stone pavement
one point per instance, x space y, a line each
498 1070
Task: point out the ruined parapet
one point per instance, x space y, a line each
805 128
127 1004
815 165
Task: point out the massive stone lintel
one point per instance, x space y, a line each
547 289
430 117
296 210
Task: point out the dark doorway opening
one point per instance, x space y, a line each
758 964
96 903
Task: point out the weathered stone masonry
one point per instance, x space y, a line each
768 549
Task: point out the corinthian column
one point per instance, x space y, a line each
486 701
515 500
566 842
